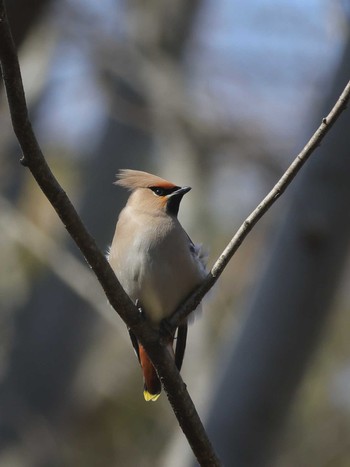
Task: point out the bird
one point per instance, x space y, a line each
155 260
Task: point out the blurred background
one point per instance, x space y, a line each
219 95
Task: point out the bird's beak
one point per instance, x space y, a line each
173 199
180 192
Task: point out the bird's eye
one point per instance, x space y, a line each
158 191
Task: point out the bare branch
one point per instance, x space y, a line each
195 298
33 158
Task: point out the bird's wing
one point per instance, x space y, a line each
180 345
199 253
135 344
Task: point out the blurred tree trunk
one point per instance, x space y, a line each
291 305
23 15
53 329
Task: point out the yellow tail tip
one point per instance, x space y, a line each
150 397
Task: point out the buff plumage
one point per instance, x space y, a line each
154 259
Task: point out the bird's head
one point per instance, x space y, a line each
151 193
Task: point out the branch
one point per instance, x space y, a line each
33 158
197 295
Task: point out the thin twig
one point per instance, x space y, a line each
197 295
33 158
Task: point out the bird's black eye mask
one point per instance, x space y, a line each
160 191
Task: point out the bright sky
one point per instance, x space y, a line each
251 60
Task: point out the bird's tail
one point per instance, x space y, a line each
152 386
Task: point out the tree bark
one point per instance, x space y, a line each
289 309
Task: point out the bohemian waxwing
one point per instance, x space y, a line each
154 260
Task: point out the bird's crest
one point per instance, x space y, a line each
132 179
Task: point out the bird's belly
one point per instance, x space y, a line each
163 285
159 277
157 295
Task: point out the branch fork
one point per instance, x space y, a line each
33 158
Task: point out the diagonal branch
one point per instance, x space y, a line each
197 295
33 158
35 161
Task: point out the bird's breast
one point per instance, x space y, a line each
157 268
